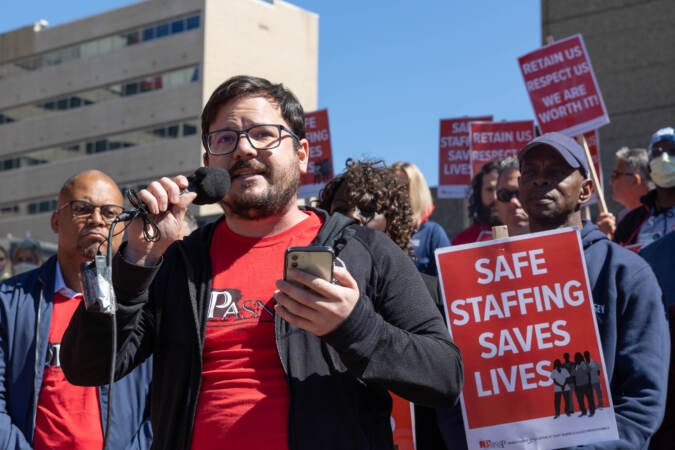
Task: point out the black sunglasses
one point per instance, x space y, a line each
505 195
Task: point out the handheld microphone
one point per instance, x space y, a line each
209 183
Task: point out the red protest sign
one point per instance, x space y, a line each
514 307
402 423
454 162
320 165
562 87
497 140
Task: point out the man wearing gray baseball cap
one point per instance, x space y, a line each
631 321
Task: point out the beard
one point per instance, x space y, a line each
282 187
488 215
88 249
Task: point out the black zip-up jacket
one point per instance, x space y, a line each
394 340
628 228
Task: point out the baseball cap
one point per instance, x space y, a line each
568 148
664 134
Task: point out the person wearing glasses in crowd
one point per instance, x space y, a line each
40 409
509 207
630 181
655 217
365 192
242 358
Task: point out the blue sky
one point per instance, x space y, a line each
390 70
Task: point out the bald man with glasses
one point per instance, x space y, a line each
40 409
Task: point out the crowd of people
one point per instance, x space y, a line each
214 350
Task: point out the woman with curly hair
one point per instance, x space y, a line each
369 192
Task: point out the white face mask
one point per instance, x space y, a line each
22 267
663 170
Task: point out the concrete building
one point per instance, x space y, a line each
630 43
122 92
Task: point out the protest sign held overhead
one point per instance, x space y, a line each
563 89
515 307
320 165
454 161
497 140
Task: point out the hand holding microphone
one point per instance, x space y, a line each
166 201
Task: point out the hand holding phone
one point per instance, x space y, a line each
314 259
322 310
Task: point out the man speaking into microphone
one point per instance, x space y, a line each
242 358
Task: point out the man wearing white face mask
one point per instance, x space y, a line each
25 256
656 216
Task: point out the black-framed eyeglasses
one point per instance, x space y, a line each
616 174
505 195
82 209
261 137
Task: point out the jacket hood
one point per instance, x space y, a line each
333 225
590 234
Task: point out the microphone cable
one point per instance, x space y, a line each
113 316
150 228
152 234
211 185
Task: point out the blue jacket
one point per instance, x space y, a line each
425 241
634 333
660 255
25 316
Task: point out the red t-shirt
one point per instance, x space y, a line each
243 400
475 233
68 417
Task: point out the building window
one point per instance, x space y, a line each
167 80
192 22
177 26
101 45
162 30
149 34
100 145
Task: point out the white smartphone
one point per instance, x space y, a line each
315 259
